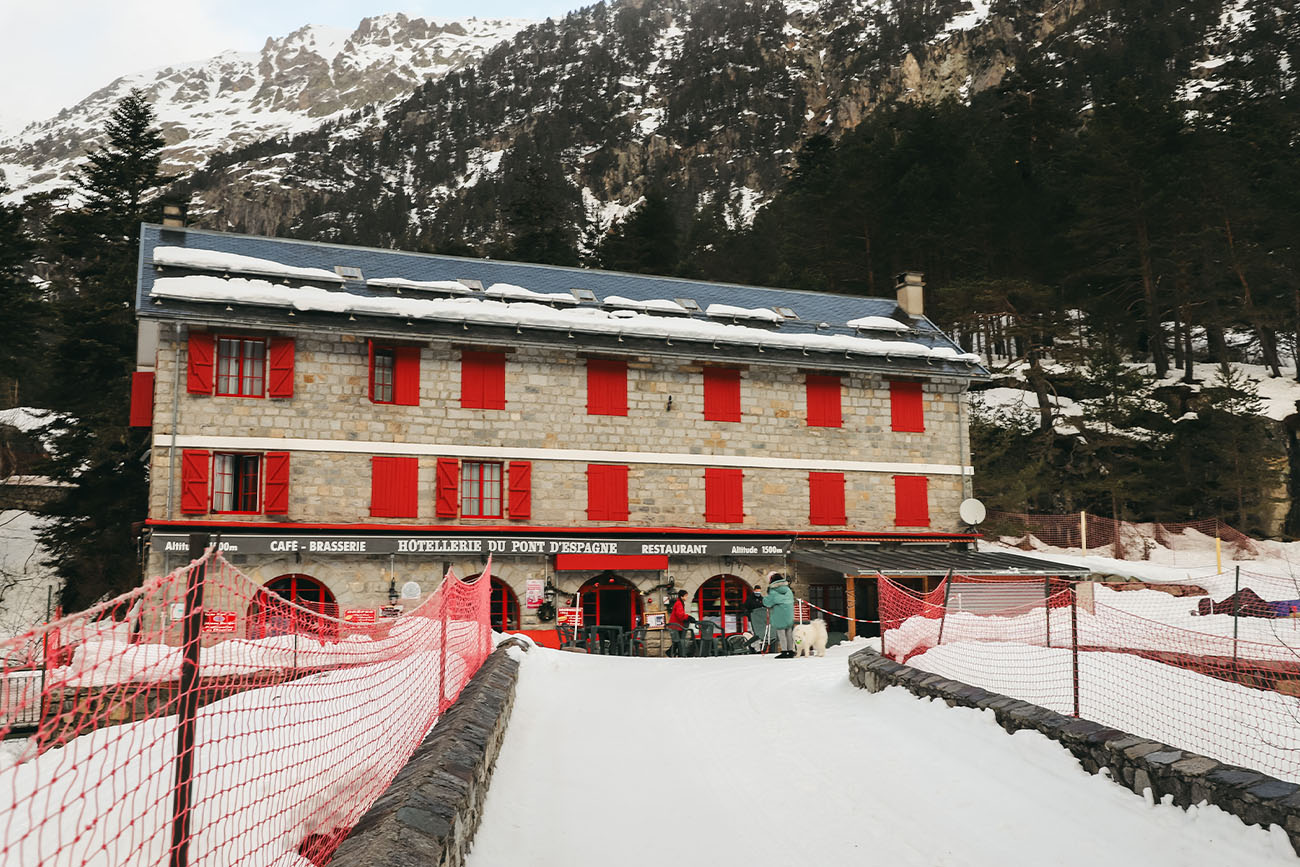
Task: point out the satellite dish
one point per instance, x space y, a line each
411 590
972 511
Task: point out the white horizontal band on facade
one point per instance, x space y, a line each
292 444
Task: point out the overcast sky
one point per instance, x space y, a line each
58 51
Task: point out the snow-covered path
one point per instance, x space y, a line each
754 761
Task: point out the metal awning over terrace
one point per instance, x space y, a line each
906 560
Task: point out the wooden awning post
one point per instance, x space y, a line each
851 605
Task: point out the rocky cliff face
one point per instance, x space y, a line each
293 85
708 99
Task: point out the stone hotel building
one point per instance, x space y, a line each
355 421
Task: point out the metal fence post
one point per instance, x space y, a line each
1236 608
1074 642
188 704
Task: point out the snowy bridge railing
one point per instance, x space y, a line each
1227 689
202 720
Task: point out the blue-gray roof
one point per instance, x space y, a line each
813 308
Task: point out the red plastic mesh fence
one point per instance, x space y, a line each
1220 685
120 750
1186 541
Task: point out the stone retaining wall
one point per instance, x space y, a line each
1134 762
429 814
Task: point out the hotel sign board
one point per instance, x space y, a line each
501 546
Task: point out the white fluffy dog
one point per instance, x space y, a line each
810 638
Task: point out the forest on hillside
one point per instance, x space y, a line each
1111 234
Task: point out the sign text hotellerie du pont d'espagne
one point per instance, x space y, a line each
308 544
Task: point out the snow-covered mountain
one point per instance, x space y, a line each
293 84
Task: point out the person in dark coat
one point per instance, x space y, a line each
779 602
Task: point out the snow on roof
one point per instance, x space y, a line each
877 323
211 260
203 287
454 287
726 311
519 293
661 305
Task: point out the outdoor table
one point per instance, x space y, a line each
606 640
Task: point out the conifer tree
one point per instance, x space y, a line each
92 537
19 298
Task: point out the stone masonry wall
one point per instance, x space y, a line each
1134 762
546 408
430 812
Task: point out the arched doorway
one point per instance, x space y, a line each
723 599
505 606
610 600
278 609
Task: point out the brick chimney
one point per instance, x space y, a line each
911 293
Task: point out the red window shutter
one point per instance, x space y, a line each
280 367
194 480
521 489
406 375
277 483
824 401
142 398
482 380
906 408
606 387
826 498
721 394
394 487
448 488
724 495
606 492
200 364
911 501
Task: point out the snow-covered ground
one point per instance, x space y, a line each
755 761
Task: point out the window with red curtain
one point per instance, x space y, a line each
482 379
824 401
606 387
826 498
606 492
724 498
394 487
394 374
721 394
906 408
241 366
911 501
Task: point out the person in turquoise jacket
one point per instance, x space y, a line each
779 599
